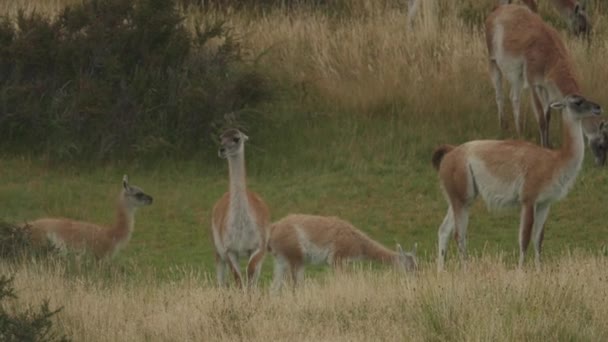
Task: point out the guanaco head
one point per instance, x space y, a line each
407 260
579 21
232 142
599 144
133 196
578 107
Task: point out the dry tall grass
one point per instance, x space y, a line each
491 302
368 59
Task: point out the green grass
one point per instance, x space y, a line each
372 171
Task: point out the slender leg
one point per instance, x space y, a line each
233 261
542 111
461 220
525 229
412 9
254 266
496 77
279 274
444 232
220 270
542 210
539 113
297 275
516 87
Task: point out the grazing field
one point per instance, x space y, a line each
361 102
491 302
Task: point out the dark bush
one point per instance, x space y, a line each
30 325
114 78
16 243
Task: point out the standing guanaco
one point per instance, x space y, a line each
240 217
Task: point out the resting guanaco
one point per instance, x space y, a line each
67 234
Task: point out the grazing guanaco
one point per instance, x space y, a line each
508 173
297 239
575 12
102 242
529 53
240 217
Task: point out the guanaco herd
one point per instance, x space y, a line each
522 48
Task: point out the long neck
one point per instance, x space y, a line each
123 225
573 146
375 251
564 79
238 186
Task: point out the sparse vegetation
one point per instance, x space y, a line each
30 325
491 301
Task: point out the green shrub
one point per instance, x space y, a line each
16 243
30 325
114 78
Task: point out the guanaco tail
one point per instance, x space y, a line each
298 239
507 173
240 217
102 242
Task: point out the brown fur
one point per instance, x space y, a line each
548 65
329 239
509 173
260 211
84 236
439 153
231 242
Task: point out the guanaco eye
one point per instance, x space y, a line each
236 139
139 195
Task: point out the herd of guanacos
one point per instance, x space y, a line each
522 48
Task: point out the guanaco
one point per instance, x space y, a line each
240 217
531 54
297 239
103 242
575 12
509 172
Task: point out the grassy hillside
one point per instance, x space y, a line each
360 103
364 101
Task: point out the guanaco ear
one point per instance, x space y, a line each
399 249
125 182
245 137
558 105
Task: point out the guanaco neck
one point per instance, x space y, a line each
123 225
238 185
573 145
374 251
